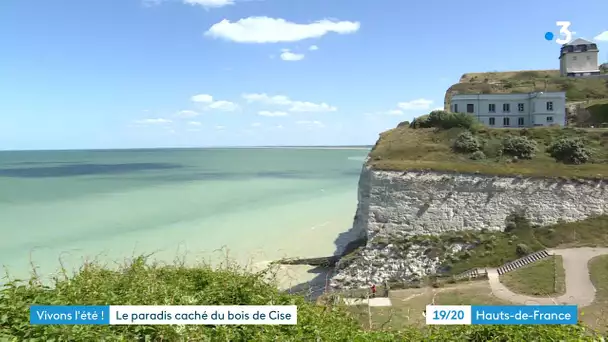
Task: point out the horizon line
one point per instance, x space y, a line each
189 148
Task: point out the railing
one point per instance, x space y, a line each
528 259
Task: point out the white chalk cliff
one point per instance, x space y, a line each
401 204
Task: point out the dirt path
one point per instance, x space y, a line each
579 289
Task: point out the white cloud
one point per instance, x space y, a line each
219 128
313 48
438 108
186 114
264 98
296 106
418 104
210 3
269 113
310 123
204 98
394 112
208 103
194 123
291 57
256 124
157 121
275 30
602 37
225 106
299 106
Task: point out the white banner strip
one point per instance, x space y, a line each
211 315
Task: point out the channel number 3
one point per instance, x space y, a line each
564 31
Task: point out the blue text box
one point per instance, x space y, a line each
524 314
70 314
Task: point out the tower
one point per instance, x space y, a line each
579 58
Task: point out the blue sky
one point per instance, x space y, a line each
188 73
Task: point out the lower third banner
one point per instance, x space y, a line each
501 314
170 314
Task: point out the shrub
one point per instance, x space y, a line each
522 249
516 220
519 146
461 120
493 148
437 117
478 155
466 142
142 284
569 151
420 122
445 120
404 124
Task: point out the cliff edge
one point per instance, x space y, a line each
419 185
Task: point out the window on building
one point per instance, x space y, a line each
470 108
520 107
573 58
506 122
550 106
492 108
520 121
455 107
549 119
492 121
570 48
506 107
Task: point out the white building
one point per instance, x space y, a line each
579 58
513 110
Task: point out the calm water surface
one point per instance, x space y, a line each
262 204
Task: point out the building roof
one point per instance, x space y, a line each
500 96
579 41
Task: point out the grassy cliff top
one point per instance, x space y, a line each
525 81
406 148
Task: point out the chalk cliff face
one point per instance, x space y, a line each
403 204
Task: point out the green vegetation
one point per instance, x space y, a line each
140 283
406 315
598 112
569 151
542 278
596 314
493 249
444 120
450 142
408 304
577 89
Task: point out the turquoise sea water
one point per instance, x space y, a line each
262 204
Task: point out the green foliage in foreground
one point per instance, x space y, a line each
140 283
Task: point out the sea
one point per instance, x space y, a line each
245 205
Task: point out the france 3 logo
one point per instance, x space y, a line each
564 32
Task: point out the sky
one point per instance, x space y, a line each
92 74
